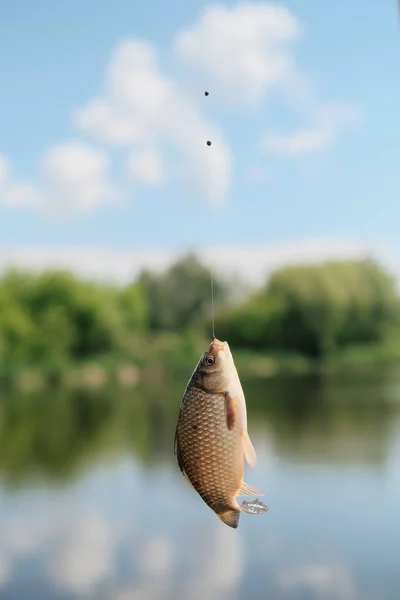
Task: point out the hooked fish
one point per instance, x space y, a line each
211 439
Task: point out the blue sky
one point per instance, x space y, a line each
103 125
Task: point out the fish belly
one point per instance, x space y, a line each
211 455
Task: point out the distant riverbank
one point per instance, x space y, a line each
180 353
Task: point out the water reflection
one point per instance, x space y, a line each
92 504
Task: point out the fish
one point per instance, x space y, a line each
211 438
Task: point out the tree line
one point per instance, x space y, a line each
318 309
313 310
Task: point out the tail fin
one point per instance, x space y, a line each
230 517
254 507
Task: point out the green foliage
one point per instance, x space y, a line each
316 309
58 433
55 318
134 304
181 297
253 323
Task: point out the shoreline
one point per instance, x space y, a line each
180 355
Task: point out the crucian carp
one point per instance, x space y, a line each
211 439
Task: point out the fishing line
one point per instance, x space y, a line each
212 305
211 271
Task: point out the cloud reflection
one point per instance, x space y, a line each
75 552
208 565
5 570
328 581
127 530
156 558
85 556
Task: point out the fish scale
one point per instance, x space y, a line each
209 452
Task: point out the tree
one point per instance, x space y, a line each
315 309
181 297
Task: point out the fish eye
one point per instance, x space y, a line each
210 360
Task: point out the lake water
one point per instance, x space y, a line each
93 505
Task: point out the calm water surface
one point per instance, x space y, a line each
93 506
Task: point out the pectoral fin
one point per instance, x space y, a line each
230 410
248 448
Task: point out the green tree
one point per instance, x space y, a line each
316 309
17 331
135 308
181 297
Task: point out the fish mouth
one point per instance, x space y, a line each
218 346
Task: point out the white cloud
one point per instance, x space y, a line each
256 262
4 170
22 195
251 262
140 106
146 166
330 121
243 50
76 176
134 94
74 180
93 262
107 124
